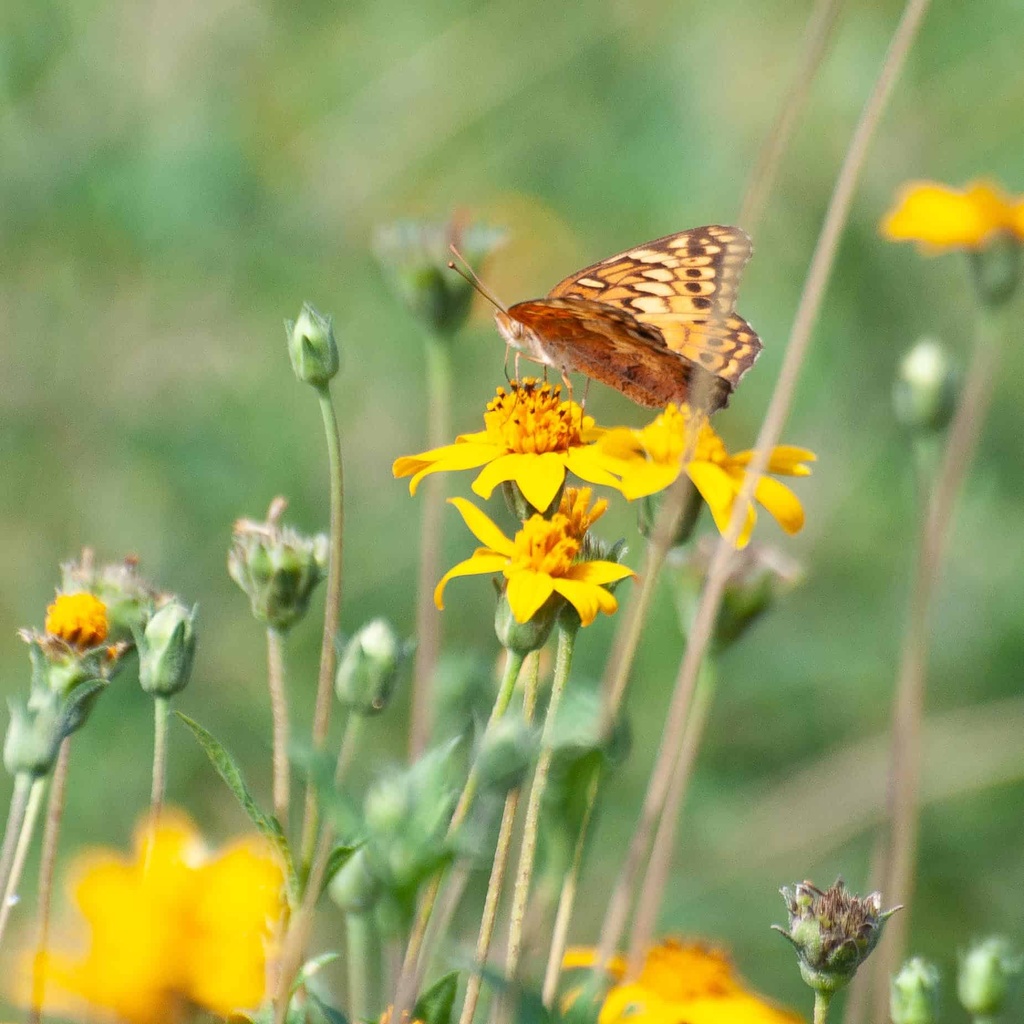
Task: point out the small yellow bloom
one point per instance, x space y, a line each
650 459
170 928
575 506
531 437
939 217
681 982
538 562
80 620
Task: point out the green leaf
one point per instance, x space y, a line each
321 1013
435 1005
312 966
266 824
336 861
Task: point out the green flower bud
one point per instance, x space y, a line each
464 690
647 515
997 269
833 932
925 390
167 648
758 576
414 258
368 668
312 348
986 972
532 635
914 993
506 752
355 888
61 667
277 567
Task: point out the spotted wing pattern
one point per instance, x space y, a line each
684 285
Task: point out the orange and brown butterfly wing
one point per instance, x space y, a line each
684 285
612 346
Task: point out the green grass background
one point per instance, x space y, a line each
176 178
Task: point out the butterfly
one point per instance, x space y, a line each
655 322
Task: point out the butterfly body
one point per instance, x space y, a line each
655 322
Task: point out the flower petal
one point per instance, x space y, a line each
781 503
599 573
538 476
590 464
719 491
786 459
451 457
527 591
478 565
482 528
587 598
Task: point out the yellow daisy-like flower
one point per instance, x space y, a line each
171 928
80 620
538 562
939 217
531 437
681 982
650 459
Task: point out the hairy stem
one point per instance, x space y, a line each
25 832
279 711
161 716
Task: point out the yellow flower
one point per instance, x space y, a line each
681 982
531 437
650 459
170 928
80 620
939 217
538 562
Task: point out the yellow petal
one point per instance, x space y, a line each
649 478
587 598
599 573
781 503
738 1008
527 591
590 464
482 528
786 459
478 565
537 476
719 490
450 458
942 217
586 956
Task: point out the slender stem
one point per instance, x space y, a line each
349 742
364 967
821 1005
428 620
531 825
496 882
332 608
659 867
25 833
908 713
279 711
778 409
15 816
812 51
567 897
161 716
47 862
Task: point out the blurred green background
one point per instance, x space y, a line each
176 178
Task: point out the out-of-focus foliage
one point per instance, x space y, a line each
176 178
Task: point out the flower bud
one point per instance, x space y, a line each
355 888
506 752
914 993
997 269
532 635
986 972
368 668
167 649
414 258
312 348
650 506
833 932
925 390
128 597
277 567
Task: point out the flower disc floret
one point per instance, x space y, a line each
531 438
80 620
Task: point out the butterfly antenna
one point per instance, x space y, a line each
472 278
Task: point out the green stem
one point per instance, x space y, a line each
428 620
822 1001
332 608
531 826
25 832
364 967
279 713
161 715
350 737
15 816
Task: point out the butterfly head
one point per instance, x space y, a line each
520 336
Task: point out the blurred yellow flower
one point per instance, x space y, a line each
939 217
538 562
681 983
650 459
531 437
172 927
80 620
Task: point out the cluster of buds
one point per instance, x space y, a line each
833 932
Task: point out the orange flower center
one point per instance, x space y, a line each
665 439
531 418
78 619
544 545
574 507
